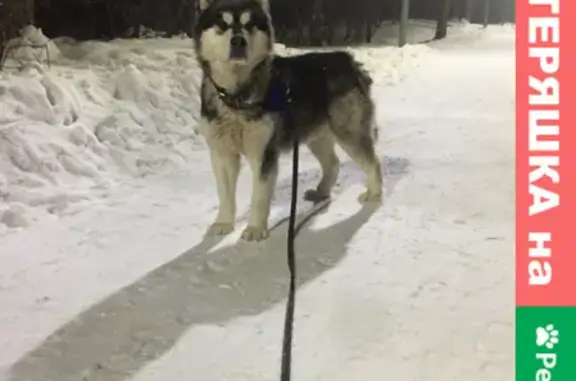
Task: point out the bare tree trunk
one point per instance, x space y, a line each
469 9
499 12
315 34
367 31
30 11
404 16
487 4
348 34
192 16
329 30
299 28
442 24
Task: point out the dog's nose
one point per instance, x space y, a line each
238 47
238 41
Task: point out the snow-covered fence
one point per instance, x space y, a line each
31 45
14 14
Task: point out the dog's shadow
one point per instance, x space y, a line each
117 337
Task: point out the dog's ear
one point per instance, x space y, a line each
203 4
265 4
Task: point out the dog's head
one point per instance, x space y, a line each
233 31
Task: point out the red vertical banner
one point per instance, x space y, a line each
566 290
545 153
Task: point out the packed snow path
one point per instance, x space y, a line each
418 289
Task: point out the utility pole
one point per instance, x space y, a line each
487 4
442 23
404 15
468 11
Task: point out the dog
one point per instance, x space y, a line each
256 104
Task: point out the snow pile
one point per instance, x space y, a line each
423 31
387 64
464 30
418 31
30 48
103 116
465 34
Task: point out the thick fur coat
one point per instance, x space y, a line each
256 104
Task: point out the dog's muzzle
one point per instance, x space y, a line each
238 45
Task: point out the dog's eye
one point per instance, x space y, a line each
249 25
221 24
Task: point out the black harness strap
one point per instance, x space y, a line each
241 98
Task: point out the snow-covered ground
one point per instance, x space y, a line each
105 193
106 115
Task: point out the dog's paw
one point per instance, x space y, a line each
253 233
220 228
370 197
313 195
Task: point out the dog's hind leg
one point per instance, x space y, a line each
322 147
226 167
351 121
362 152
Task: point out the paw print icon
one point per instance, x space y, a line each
547 336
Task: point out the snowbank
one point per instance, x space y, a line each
387 64
103 116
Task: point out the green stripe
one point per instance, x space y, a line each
545 343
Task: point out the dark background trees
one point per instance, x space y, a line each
298 22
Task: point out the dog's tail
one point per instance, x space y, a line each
365 80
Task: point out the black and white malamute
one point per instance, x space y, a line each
256 104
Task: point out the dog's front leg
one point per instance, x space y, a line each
226 167
263 185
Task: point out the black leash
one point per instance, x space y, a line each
285 374
279 99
